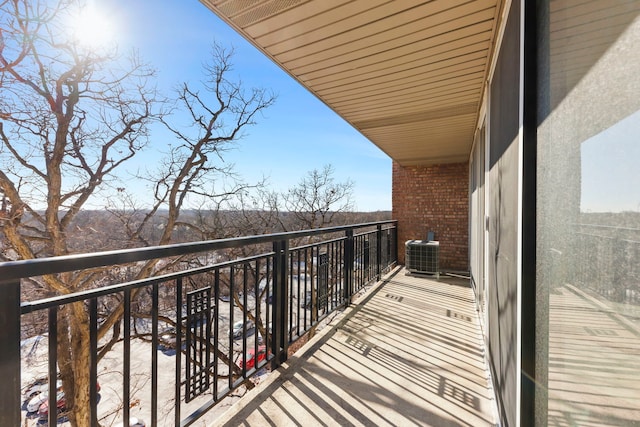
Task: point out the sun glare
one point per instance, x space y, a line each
92 27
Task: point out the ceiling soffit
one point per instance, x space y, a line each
407 74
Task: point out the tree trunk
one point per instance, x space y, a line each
74 362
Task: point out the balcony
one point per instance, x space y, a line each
409 352
392 348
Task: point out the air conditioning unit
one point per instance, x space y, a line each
422 257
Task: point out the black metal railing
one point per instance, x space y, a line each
603 259
214 323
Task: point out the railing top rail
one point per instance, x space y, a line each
13 270
609 227
30 306
610 238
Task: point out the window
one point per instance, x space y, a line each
588 214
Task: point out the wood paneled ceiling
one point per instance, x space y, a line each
408 74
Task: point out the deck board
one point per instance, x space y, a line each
410 353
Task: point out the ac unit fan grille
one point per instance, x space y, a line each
422 257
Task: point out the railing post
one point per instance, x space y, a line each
10 354
388 257
279 334
378 251
348 265
394 243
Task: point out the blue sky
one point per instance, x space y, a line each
610 179
298 134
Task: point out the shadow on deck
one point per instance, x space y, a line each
411 353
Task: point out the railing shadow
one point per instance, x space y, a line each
594 361
369 369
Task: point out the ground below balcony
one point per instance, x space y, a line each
410 353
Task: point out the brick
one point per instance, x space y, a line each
434 198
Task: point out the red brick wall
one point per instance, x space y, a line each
434 198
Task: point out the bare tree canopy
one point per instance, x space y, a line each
318 197
217 115
70 118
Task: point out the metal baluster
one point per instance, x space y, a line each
126 383
93 367
154 354
53 366
178 373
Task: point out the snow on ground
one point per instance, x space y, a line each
110 378
110 375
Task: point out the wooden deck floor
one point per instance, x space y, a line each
410 353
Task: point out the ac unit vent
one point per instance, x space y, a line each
422 256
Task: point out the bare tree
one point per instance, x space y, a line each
193 169
70 117
217 115
316 201
68 121
317 198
